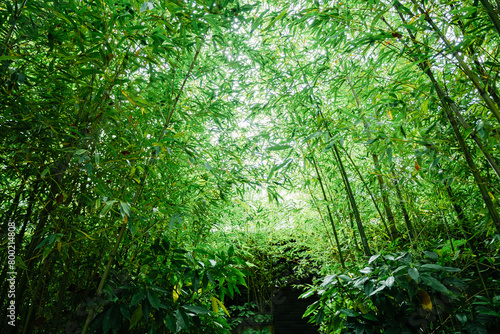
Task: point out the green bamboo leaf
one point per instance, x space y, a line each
124 209
106 209
106 322
132 228
370 316
11 57
278 147
349 312
125 311
170 322
175 218
373 258
277 18
410 26
377 290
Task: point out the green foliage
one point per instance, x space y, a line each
397 293
264 330
141 138
248 313
173 290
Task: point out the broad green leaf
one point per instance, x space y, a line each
125 311
329 279
132 228
487 310
431 255
137 297
136 317
147 6
153 300
461 317
413 273
196 309
345 277
175 218
369 316
430 267
366 270
433 283
373 258
377 290
124 209
349 312
106 322
171 324
389 282
475 328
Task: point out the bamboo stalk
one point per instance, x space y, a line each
462 64
491 13
392 232
342 262
480 182
11 29
123 227
361 229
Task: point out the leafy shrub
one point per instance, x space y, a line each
246 314
175 290
398 294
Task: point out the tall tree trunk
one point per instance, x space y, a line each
349 214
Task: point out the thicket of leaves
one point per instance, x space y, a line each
135 133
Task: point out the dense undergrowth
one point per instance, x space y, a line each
411 292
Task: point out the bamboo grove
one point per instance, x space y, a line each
135 133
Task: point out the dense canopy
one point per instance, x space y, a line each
168 165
